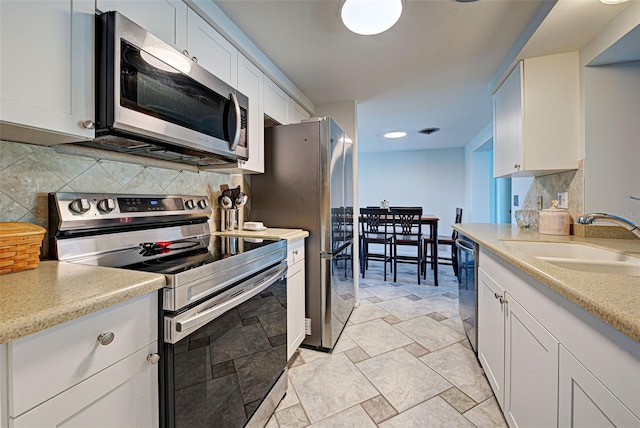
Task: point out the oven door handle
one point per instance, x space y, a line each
235 299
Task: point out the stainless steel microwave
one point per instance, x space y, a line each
151 100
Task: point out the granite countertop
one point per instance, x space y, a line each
615 299
56 292
269 233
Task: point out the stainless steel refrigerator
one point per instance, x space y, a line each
308 184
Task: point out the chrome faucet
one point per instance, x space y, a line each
590 218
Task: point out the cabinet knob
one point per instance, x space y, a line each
194 59
106 338
295 252
516 166
153 358
88 124
185 52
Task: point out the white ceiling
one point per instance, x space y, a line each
432 69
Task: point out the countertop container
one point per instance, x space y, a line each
554 221
19 246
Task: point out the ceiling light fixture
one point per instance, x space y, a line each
613 1
395 134
369 17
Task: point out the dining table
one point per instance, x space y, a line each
431 220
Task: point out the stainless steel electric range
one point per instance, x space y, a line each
223 309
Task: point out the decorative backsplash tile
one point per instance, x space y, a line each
28 173
548 186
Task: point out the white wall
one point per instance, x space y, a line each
471 198
481 186
612 139
432 179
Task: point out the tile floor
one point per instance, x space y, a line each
402 361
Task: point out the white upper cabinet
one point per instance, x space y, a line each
536 117
250 82
276 102
165 19
296 113
210 50
46 84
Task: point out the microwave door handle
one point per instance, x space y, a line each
236 136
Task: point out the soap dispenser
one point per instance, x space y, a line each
554 221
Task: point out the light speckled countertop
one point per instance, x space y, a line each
56 292
615 299
269 233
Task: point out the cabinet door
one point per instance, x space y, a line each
585 402
46 52
531 376
297 114
295 307
212 51
165 19
276 102
507 125
123 395
491 333
250 81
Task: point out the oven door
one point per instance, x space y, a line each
225 358
148 88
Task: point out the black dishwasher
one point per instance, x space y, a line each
467 252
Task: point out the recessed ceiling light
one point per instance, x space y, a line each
395 134
613 1
369 17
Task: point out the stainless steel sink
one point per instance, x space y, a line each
579 257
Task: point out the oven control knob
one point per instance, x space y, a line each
190 204
80 206
107 205
202 204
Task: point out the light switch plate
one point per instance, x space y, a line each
563 200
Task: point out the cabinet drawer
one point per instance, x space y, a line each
46 363
295 252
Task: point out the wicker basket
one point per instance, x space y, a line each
20 246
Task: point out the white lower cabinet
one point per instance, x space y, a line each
122 395
586 402
491 336
519 356
91 371
295 296
550 362
531 369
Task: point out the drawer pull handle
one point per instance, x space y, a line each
106 338
153 358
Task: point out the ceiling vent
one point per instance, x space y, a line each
428 131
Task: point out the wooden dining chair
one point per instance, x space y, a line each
452 258
374 230
407 232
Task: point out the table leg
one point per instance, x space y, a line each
434 251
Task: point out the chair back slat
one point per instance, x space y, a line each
406 221
374 220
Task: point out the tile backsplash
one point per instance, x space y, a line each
29 172
548 186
